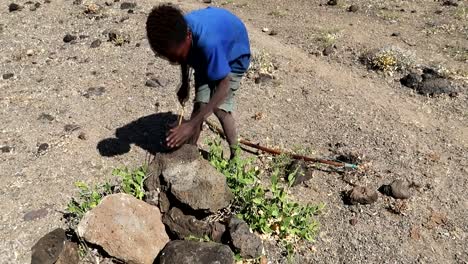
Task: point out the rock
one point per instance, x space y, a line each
6 149
69 254
262 78
153 82
265 29
192 252
96 43
46 117
49 247
30 52
42 148
77 2
35 6
438 12
353 8
189 180
411 80
14 7
435 86
83 36
362 195
94 91
69 38
71 127
396 34
207 1
398 189
353 221
127 5
247 243
7 76
183 226
82 136
332 2
35 214
126 228
450 3
328 50
302 173
273 32
163 202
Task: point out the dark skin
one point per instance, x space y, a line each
180 134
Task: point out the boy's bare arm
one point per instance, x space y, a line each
178 135
184 89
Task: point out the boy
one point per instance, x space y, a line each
215 43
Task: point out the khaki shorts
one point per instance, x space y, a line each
205 89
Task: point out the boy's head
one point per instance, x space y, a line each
168 33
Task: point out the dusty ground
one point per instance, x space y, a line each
321 103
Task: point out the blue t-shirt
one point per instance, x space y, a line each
220 43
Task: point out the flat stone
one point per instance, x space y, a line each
96 43
362 195
247 243
126 228
35 214
190 180
192 252
48 249
69 254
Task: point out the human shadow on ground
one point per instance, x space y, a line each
148 133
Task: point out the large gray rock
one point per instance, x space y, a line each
191 180
184 226
126 228
247 243
192 252
48 249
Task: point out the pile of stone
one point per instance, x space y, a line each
175 224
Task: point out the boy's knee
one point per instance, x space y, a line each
220 113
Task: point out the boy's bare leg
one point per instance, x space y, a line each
229 126
196 135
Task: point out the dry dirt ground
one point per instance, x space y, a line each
83 103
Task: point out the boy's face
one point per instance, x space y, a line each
179 53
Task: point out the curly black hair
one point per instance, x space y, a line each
165 27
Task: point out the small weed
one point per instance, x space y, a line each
266 210
328 37
132 181
457 53
389 60
461 13
89 197
389 15
206 238
262 63
277 13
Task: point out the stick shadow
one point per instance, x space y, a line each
148 133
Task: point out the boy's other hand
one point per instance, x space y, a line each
183 93
179 135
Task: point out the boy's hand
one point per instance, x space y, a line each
179 135
183 93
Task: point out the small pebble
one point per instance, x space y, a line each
82 136
46 117
362 195
265 29
42 148
395 34
96 43
7 76
6 149
353 221
94 91
332 2
127 5
207 1
69 38
273 33
353 8
328 50
153 82
14 7
30 52
71 127
77 2
450 3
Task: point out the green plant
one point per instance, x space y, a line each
205 238
88 198
266 210
132 181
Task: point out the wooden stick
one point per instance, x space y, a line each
181 116
279 152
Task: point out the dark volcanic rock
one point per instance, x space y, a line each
411 80
7 76
127 5
96 43
398 189
14 7
247 243
49 247
191 252
69 38
362 195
